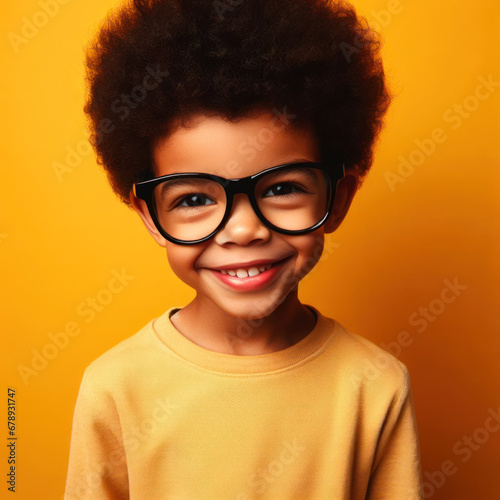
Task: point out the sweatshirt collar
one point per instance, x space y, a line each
188 352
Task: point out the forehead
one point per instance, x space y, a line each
210 144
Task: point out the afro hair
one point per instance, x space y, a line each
153 64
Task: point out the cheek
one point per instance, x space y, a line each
309 248
182 261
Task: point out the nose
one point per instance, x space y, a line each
243 226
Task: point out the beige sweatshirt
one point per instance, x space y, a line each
329 418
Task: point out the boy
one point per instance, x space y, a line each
239 134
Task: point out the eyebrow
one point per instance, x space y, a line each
193 180
176 183
299 160
308 171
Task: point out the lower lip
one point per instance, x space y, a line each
252 282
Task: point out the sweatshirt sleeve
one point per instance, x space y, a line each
396 472
97 461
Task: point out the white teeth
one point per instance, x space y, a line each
244 273
253 271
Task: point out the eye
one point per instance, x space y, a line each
194 200
282 189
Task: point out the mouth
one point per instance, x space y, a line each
252 277
249 270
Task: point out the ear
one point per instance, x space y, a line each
346 189
142 209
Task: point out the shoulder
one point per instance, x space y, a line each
362 363
123 361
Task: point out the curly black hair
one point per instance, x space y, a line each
153 64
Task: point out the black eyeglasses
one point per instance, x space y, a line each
190 208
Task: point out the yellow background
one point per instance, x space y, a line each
62 239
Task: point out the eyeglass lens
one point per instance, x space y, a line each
292 199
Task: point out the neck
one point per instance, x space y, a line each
207 325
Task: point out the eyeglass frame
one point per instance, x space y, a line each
144 188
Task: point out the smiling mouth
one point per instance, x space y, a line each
246 272
251 271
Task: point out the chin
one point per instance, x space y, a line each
252 309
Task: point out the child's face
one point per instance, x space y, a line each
235 150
